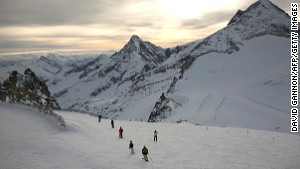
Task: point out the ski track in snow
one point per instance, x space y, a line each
203 102
220 105
209 107
31 140
266 105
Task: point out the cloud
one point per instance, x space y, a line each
29 44
107 23
139 24
56 41
284 5
207 20
74 12
213 18
131 13
57 12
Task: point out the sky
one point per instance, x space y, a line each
106 25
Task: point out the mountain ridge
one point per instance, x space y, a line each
129 84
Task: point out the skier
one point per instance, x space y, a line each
155 135
112 123
145 153
99 118
120 132
131 147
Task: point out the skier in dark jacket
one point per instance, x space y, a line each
112 123
145 153
120 132
155 135
131 147
99 118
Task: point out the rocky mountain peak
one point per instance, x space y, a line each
135 39
134 44
261 8
28 89
261 18
146 51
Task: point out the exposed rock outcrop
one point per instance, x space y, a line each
27 89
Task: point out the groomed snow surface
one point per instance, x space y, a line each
32 140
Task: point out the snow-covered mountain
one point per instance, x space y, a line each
47 65
238 76
136 48
260 19
111 77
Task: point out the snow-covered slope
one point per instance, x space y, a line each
245 89
31 140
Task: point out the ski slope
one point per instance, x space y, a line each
247 89
31 140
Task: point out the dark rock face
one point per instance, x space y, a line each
28 89
236 16
160 110
86 68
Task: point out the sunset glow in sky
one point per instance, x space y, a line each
108 24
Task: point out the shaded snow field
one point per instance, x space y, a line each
31 140
249 88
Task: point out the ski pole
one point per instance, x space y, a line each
150 157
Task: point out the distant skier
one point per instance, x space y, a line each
145 153
155 135
112 123
120 132
99 118
131 147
